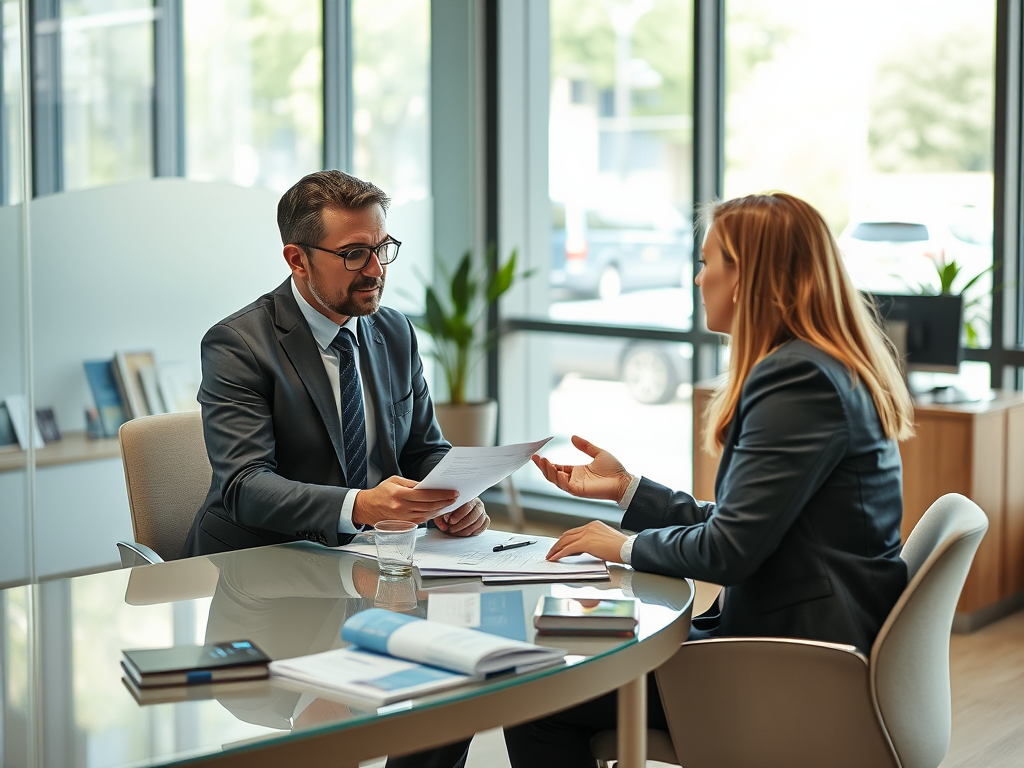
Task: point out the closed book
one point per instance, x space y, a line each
164 694
582 616
127 366
109 405
194 664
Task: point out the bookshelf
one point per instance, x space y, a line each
73 447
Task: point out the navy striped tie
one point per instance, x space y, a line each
353 420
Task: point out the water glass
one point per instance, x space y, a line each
396 542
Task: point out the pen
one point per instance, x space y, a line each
516 545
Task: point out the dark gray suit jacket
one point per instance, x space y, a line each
272 430
806 529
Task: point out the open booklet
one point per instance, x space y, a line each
398 657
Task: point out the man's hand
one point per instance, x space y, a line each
398 499
595 538
603 478
468 520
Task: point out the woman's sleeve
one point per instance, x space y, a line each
793 433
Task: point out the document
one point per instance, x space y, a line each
438 554
401 656
471 471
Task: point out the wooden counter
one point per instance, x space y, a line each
975 449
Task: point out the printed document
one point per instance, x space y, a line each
471 471
438 554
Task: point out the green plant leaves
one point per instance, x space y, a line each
453 324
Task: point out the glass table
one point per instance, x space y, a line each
65 704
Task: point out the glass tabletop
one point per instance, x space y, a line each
290 600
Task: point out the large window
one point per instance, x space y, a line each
106 54
621 247
253 91
391 129
887 128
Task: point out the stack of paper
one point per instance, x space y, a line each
438 554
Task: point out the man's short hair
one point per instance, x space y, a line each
299 213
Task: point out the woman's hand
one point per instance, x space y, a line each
603 478
594 538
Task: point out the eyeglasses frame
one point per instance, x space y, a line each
358 247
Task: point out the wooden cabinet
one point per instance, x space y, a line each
975 449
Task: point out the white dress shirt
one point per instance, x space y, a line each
626 552
324 330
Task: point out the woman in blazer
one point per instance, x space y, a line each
805 530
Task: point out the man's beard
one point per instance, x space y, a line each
347 304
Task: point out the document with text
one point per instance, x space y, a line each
438 554
471 471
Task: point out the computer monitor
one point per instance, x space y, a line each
926 330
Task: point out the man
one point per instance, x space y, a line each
316 415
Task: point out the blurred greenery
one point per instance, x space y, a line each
932 105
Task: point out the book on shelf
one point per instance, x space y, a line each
194 664
47 421
7 437
397 657
178 387
583 616
126 368
25 427
109 407
151 390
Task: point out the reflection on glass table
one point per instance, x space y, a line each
290 600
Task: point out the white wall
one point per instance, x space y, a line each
148 265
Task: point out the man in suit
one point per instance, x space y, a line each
316 415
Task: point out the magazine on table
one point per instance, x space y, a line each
399 657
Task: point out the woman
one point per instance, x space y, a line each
805 532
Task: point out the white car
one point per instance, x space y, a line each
899 255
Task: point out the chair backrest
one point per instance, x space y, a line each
910 656
167 473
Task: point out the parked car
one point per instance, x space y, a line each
898 255
603 253
651 370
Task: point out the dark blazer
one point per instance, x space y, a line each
806 529
272 429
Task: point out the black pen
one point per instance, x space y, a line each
516 545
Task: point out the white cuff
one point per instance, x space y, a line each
345 524
630 490
626 552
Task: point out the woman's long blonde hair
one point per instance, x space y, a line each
793 285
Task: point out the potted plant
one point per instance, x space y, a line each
453 318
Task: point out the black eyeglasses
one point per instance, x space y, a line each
357 257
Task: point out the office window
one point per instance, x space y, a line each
880 114
106 51
253 91
391 130
620 245
10 106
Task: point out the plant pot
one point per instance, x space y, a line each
474 424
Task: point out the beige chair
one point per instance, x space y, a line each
167 473
766 702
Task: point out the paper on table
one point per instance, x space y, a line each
438 554
471 471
